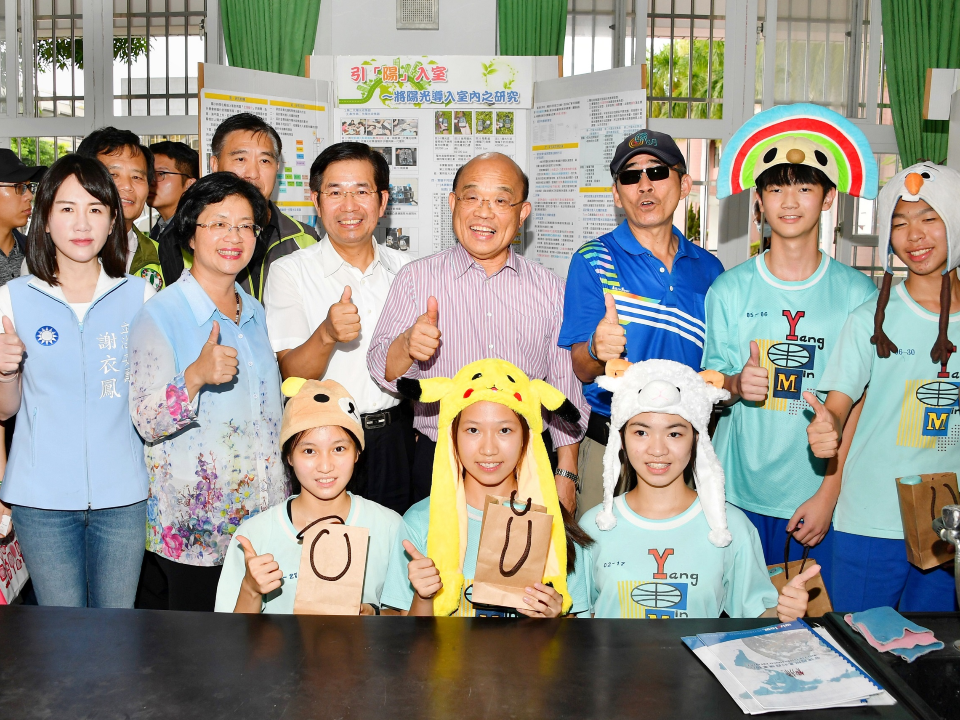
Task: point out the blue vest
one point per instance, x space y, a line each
75 447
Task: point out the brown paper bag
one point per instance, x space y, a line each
513 551
818 601
332 565
920 504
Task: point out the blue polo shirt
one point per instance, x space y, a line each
662 311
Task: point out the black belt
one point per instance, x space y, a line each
598 428
377 420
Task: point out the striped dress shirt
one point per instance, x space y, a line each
514 314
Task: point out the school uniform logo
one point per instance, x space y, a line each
661 597
929 414
789 362
47 336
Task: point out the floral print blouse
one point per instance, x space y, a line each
216 460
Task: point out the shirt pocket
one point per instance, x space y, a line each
531 339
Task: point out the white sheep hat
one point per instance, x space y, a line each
664 386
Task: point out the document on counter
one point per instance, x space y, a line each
785 667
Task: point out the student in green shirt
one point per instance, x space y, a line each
322 439
903 345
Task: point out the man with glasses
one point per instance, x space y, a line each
324 301
637 292
17 185
176 166
477 300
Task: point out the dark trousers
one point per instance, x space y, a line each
383 473
168 585
423 463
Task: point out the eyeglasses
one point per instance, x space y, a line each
21 188
500 205
222 229
162 174
655 173
341 195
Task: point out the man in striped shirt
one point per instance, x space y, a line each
637 291
477 300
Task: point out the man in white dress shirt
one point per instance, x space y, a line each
323 303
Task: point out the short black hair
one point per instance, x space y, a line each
523 176
245 122
94 178
209 190
350 151
793 174
185 158
110 141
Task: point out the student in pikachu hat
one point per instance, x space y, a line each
662 549
322 438
901 348
489 443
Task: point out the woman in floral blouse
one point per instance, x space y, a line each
205 396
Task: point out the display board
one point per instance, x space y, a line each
573 140
297 108
428 116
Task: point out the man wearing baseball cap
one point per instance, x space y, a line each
17 183
637 292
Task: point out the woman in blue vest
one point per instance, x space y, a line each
76 478
205 395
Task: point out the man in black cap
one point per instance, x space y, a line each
637 292
17 183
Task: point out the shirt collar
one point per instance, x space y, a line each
630 244
203 308
331 261
105 284
461 261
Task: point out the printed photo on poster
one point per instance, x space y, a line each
387 153
397 239
504 123
379 127
463 122
353 126
484 124
406 127
443 122
406 157
404 191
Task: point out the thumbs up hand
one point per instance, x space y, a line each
423 337
822 432
610 337
263 574
754 380
342 324
792 603
217 364
421 571
11 351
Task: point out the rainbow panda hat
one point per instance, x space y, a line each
802 134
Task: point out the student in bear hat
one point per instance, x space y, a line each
903 345
322 439
663 549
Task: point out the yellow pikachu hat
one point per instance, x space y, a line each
500 382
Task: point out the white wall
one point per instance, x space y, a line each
362 27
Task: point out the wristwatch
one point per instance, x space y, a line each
573 477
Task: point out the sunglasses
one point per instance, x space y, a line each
632 177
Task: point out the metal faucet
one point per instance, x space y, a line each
947 526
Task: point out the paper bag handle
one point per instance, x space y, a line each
313 565
933 499
319 520
516 512
786 554
506 543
